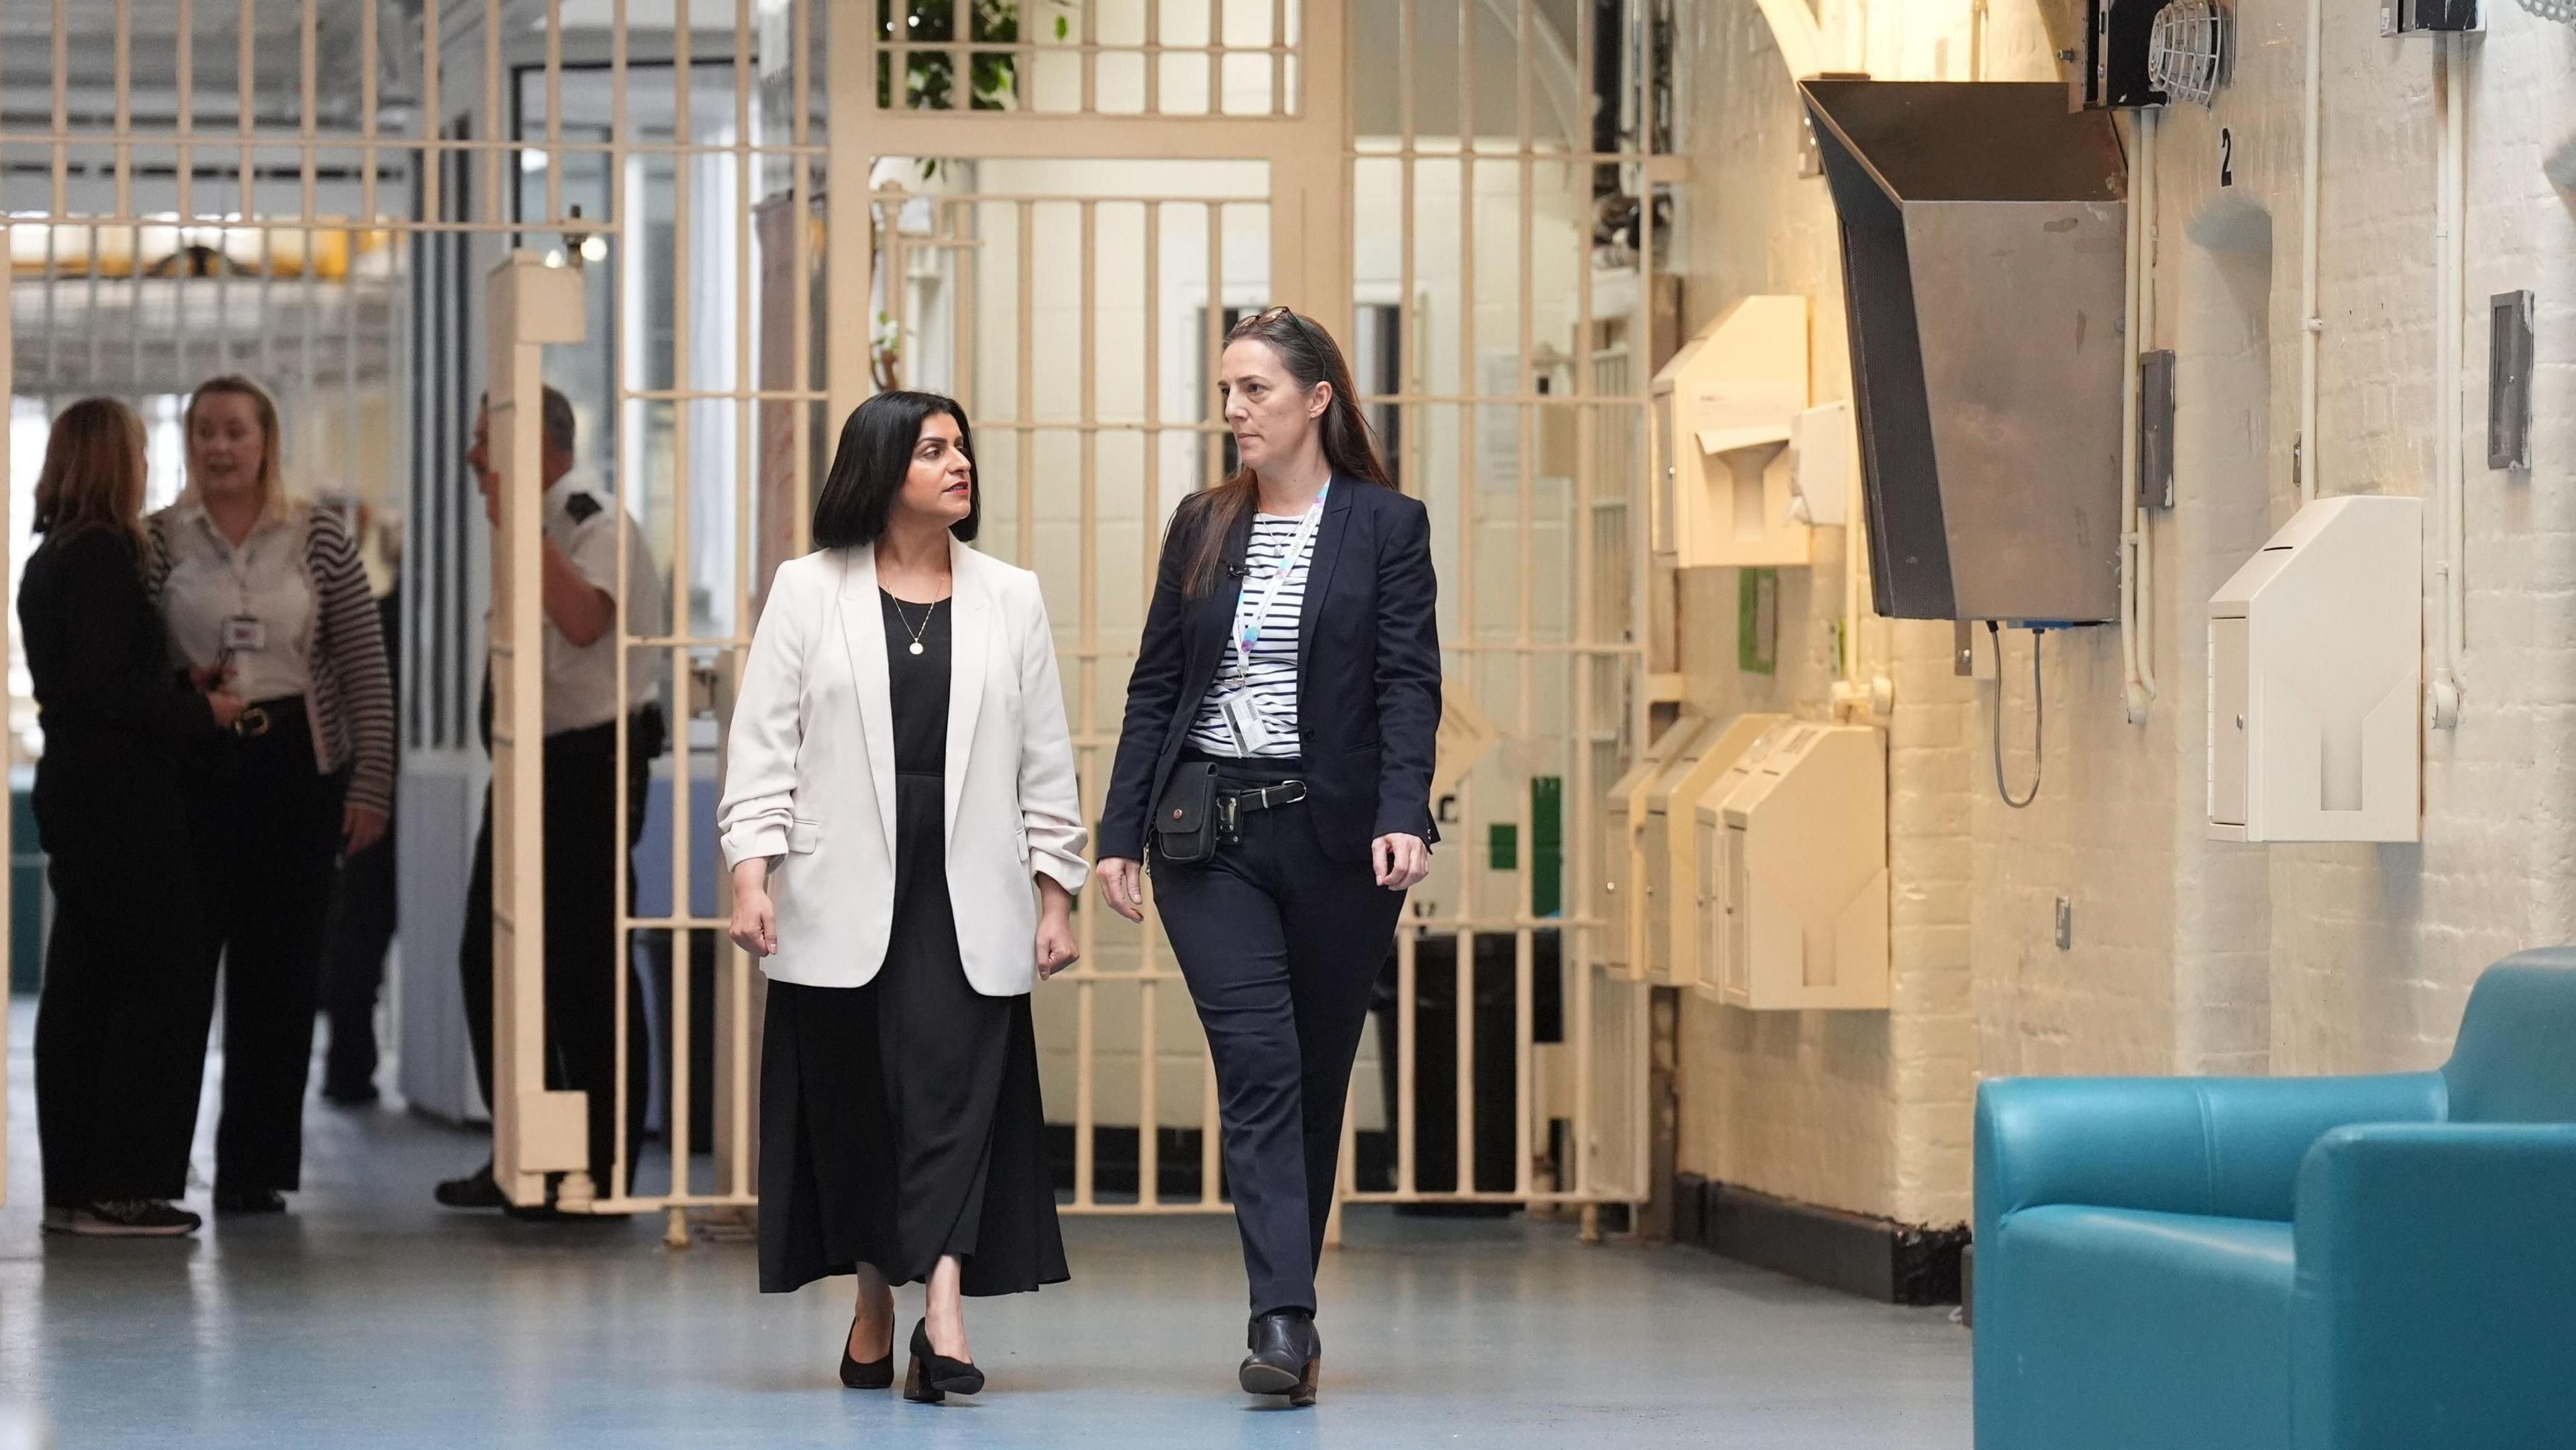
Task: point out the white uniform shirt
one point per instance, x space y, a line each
261 579
581 680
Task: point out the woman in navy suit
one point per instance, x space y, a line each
1277 751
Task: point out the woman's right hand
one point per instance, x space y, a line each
1122 885
227 706
755 920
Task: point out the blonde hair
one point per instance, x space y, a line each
93 472
272 487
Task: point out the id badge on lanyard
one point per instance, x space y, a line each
1244 718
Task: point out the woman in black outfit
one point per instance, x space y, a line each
121 1026
266 594
1281 723
905 839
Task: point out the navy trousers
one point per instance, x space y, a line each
1281 946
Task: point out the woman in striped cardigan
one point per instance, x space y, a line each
268 597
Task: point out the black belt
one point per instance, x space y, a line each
259 719
1233 805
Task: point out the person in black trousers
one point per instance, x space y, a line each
121 1026
1280 730
266 595
361 930
586 965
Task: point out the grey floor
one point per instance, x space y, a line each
371 1318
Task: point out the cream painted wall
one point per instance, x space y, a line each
2187 955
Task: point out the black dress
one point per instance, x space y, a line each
900 1120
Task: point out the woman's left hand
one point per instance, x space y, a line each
1056 948
1402 861
361 827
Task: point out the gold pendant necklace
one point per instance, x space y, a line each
906 621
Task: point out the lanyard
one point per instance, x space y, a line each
1247 633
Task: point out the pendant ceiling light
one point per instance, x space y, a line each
2187 50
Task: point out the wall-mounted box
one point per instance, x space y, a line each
2118 73
2315 651
1793 874
1723 409
1824 461
2429 17
1618 902
1670 843
1984 249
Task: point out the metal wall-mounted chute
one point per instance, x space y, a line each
1984 244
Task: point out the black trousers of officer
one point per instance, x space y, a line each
1281 945
360 930
586 964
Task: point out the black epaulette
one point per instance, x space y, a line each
581 506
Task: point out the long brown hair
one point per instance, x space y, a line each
1311 356
93 473
272 487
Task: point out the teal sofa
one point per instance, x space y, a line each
2361 1263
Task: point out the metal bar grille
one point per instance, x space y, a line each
1205 183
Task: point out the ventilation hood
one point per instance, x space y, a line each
1984 231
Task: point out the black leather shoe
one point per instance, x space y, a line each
360 1093
253 1200
874 1374
934 1376
1287 1354
474 1190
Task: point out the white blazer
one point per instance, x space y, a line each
809 779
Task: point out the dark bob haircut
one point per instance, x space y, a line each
868 469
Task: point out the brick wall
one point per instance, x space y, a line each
2186 954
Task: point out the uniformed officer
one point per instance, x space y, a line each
584 966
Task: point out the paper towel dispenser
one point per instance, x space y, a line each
1984 241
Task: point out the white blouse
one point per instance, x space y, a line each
262 579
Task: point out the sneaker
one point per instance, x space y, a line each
474 1190
359 1094
133 1218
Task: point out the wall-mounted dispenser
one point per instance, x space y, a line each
1671 843
1984 232
1621 900
1792 886
1723 407
2315 660
1824 454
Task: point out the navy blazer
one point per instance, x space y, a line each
1368 672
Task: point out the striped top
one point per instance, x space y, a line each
1273 660
352 696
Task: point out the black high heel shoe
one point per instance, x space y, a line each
1286 1359
934 1376
875 1374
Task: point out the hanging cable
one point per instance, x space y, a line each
2039 722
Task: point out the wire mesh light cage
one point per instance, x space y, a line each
2187 49
2562 11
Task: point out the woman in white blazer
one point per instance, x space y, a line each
905 836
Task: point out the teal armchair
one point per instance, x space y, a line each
2364 1263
